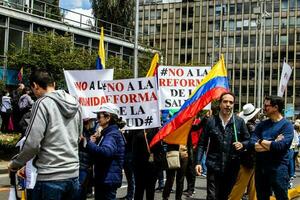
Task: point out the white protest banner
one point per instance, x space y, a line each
176 83
137 99
86 85
285 77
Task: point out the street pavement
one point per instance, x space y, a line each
200 188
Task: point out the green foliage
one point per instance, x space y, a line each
2 85
8 141
52 52
56 53
122 70
119 12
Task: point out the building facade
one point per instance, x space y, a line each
18 20
252 35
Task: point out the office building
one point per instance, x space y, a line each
197 32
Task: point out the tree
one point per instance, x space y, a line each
52 52
115 11
56 53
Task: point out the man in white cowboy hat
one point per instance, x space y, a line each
245 179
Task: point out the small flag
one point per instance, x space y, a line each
285 77
100 62
153 67
20 75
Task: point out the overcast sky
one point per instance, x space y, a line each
72 4
78 6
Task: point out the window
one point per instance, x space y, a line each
2 39
2 20
283 39
15 39
189 43
268 40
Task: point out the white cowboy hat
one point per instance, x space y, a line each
249 111
109 108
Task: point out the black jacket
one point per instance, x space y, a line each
218 142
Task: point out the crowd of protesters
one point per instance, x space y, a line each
241 155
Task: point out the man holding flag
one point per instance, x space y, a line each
224 137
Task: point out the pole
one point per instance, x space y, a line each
136 37
259 81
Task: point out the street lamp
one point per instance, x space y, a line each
136 38
261 11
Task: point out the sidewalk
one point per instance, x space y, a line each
3 166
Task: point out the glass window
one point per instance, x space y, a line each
189 43
283 23
19 24
81 39
2 39
292 21
191 11
217 25
146 14
238 40
239 8
2 20
183 27
15 39
245 40
284 5
246 7
283 39
231 8
218 10
158 14
152 14
253 40
291 39
211 10
268 40
268 22
190 26
217 42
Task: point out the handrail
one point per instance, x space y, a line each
57 13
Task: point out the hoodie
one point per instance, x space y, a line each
52 137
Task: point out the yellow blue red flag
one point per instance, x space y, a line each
153 67
20 75
176 130
100 62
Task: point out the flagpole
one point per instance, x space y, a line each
136 37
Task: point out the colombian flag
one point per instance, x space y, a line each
100 62
153 67
176 130
20 75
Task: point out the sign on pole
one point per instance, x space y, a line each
176 84
87 86
137 99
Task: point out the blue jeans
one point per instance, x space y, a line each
84 176
291 163
56 190
203 161
267 179
105 192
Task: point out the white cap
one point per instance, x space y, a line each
109 108
249 111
